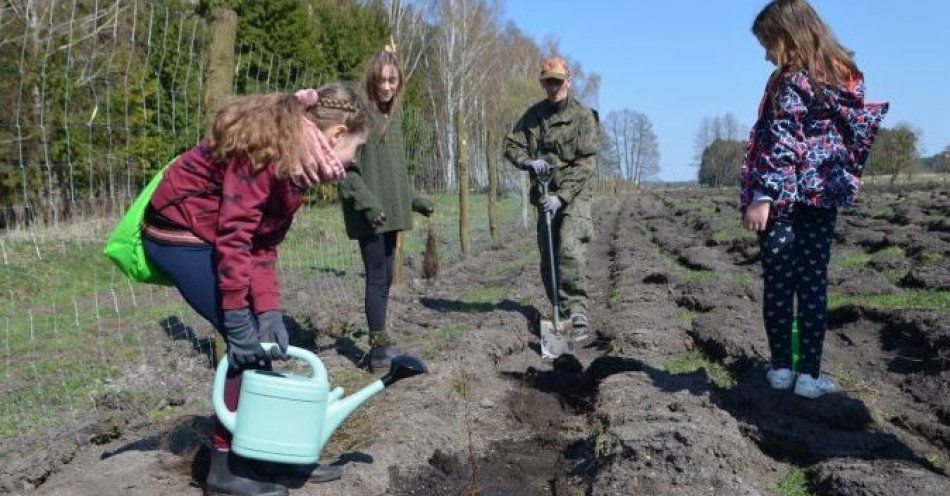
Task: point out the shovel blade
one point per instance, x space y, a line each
554 342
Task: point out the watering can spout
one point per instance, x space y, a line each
340 408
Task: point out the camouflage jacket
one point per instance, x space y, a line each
567 137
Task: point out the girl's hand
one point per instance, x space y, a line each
757 215
318 163
377 219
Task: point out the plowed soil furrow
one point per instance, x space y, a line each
668 399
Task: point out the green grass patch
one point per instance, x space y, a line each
744 279
939 462
318 243
698 275
894 275
430 343
63 372
890 251
527 259
794 483
686 317
460 388
852 259
707 211
452 331
696 360
701 275
914 298
886 212
932 257
731 234
485 294
615 296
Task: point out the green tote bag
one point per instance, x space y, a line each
124 246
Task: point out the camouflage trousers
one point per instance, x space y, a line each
572 229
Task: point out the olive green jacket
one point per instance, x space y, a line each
378 182
566 135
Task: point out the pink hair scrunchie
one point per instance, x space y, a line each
307 97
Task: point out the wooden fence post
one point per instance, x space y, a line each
493 227
461 153
223 26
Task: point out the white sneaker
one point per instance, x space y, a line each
809 387
780 378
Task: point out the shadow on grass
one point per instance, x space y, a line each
177 330
530 313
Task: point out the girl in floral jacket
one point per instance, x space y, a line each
805 158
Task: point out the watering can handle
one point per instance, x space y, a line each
227 417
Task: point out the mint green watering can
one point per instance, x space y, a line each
288 418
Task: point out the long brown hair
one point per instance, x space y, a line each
372 77
265 126
797 38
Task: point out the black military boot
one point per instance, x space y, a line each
231 475
581 326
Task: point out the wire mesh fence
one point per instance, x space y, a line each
96 96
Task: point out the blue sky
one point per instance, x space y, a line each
680 60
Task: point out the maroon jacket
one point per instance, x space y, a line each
243 213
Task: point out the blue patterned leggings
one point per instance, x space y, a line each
795 253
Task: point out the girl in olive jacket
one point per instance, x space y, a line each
377 197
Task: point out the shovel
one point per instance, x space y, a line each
553 341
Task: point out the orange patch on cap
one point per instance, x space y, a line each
554 68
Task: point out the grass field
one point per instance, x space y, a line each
71 325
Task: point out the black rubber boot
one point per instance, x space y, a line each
323 473
381 351
298 473
231 475
382 356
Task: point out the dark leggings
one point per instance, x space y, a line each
377 251
795 252
192 270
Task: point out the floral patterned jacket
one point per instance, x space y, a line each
810 143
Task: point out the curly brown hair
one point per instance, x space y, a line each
264 127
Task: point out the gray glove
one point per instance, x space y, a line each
244 347
273 330
376 217
537 166
552 203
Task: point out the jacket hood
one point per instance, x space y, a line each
858 122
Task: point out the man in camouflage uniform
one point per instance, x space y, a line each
560 135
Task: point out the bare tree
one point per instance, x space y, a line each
407 25
512 89
463 35
634 144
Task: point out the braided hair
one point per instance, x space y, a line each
265 127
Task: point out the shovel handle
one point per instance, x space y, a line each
551 261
